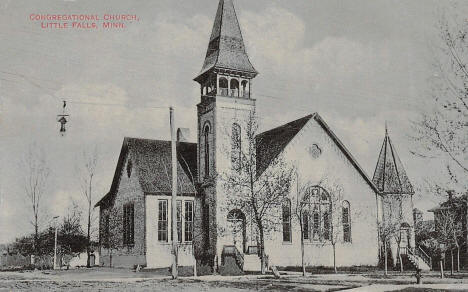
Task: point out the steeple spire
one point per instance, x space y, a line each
390 176
226 49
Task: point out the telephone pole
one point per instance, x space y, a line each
174 196
55 244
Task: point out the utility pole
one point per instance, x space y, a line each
174 196
55 245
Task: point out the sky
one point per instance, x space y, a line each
358 63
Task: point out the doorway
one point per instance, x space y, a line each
236 230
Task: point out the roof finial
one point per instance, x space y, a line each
386 128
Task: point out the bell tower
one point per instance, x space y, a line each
225 107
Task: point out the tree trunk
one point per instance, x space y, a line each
441 269
302 252
262 250
451 262
386 260
194 260
88 243
36 237
458 258
399 258
334 258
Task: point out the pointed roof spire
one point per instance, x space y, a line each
226 49
390 176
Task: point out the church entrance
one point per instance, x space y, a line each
236 230
404 238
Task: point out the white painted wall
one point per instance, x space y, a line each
159 254
333 165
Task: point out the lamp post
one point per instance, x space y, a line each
55 245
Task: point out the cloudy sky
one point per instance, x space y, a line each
357 63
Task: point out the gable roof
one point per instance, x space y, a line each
390 176
271 143
226 49
151 162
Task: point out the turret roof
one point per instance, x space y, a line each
226 49
390 176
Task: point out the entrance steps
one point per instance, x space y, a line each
252 263
418 262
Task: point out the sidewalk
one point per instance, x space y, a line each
423 287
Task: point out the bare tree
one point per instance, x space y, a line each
449 229
259 194
386 234
36 176
391 227
300 212
87 172
442 133
336 232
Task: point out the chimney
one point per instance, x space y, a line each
183 134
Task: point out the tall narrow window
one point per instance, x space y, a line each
188 231
346 220
326 226
305 225
316 226
207 150
162 220
287 220
236 147
128 224
179 221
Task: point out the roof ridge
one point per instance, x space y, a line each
157 140
270 130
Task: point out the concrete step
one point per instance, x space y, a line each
252 263
419 262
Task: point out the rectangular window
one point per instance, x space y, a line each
346 224
128 224
188 221
287 221
179 221
162 220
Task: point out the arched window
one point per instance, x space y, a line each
223 86
206 133
346 221
236 147
317 204
286 220
234 87
244 91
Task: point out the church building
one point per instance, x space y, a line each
135 215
